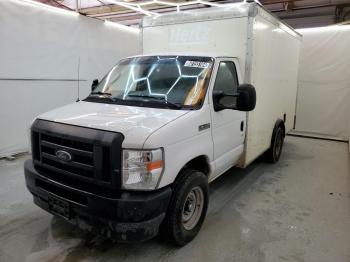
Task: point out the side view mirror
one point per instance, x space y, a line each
243 100
246 100
94 84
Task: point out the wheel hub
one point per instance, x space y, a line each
193 207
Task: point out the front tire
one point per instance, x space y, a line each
187 208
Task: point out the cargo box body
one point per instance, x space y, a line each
266 48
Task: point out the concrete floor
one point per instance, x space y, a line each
295 210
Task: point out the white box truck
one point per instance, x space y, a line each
214 88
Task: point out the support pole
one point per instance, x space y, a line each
77 6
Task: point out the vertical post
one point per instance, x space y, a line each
78 99
77 6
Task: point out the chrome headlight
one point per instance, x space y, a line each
142 168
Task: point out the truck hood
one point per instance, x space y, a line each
135 123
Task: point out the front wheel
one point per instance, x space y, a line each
187 208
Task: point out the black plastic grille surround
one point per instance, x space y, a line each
95 156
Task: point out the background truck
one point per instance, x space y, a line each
214 89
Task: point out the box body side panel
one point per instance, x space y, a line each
274 69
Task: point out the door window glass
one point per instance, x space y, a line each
226 81
226 78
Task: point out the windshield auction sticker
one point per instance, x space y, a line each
196 64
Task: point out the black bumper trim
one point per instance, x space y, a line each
134 216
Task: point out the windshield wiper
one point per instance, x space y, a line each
100 93
159 98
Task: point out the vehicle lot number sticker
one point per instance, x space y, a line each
197 64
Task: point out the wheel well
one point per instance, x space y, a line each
200 163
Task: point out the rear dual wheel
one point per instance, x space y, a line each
273 154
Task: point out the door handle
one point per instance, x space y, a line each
242 126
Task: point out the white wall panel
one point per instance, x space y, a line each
22 103
323 104
45 55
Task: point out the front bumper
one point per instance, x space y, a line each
134 216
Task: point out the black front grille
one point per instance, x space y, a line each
82 162
95 155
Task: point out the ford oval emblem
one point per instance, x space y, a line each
63 155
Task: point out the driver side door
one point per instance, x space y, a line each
228 126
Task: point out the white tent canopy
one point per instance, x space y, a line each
323 103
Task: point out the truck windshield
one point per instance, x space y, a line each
176 82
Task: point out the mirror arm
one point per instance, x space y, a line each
233 95
94 84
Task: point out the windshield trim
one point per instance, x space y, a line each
139 103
